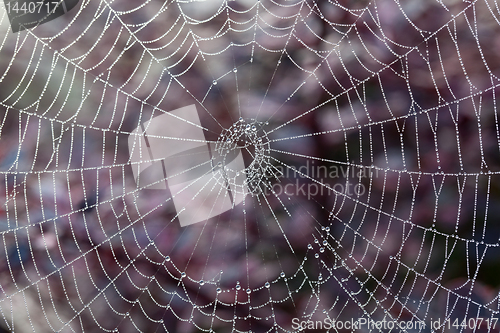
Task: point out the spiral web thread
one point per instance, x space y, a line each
402 90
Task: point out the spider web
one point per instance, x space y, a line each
376 198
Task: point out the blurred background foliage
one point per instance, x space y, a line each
406 89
